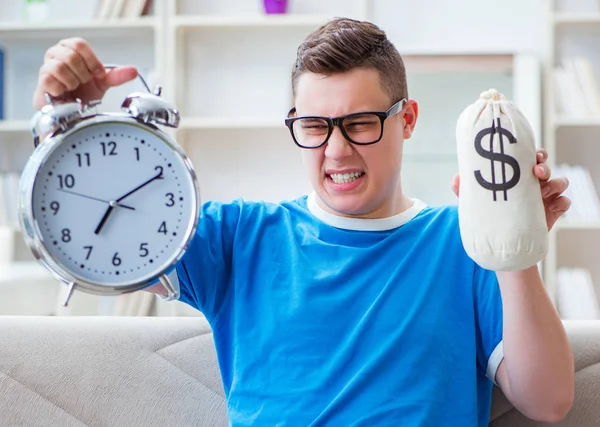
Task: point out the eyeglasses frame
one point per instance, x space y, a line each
337 121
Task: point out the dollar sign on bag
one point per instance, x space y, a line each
504 159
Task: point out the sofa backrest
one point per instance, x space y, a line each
157 371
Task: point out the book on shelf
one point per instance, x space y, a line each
577 89
112 9
585 203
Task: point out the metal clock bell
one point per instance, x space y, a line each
108 202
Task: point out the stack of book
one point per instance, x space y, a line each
111 9
577 89
585 203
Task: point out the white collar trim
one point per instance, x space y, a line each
364 224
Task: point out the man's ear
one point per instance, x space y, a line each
411 112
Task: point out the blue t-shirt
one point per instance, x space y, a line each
326 320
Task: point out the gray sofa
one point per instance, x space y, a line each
157 371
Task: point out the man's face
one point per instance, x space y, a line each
372 188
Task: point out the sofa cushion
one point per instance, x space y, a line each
111 371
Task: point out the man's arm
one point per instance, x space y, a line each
537 373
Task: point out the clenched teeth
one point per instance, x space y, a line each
343 178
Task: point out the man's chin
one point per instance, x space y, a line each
351 205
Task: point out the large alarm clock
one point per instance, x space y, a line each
109 202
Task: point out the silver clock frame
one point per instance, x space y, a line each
143 109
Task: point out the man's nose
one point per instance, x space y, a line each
338 146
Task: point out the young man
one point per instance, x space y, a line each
356 305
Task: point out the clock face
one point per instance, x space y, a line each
114 203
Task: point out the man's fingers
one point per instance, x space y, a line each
72 60
554 187
541 155
84 51
66 66
456 184
62 73
51 85
561 204
120 75
542 172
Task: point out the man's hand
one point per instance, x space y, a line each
71 70
554 203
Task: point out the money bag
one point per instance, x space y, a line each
500 207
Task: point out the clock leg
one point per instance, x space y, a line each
166 282
71 286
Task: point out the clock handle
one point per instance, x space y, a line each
166 282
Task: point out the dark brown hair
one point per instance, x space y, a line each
344 44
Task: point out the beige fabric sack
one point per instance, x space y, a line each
501 211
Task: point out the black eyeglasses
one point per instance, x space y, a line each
362 128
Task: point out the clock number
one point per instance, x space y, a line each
116 261
66 235
163 228
171 201
137 153
55 206
112 145
66 181
160 173
81 159
89 249
143 250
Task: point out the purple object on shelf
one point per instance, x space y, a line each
275 6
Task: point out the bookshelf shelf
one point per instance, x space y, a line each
566 224
14 126
199 123
583 122
259 21
564 18
14 28
443 62
24 271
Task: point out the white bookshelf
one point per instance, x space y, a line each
574 32
227 66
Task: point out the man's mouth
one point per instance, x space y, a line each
344 178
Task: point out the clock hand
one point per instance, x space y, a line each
104 218
115 202
94 198
159 176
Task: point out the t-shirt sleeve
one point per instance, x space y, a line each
203 273
488 312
